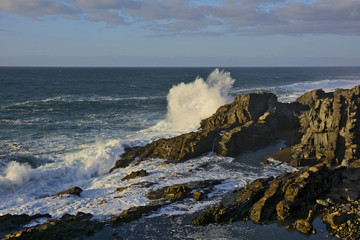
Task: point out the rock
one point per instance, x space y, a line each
180 191
303 226
120 189
197 196
67 227
311 97
9 223
290 197
322 203
136 174
133 214
249 122
329 127
319 127
176 192
72 191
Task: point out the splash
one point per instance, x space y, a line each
189 103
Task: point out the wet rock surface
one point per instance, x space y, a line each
9 223
66 227
164 196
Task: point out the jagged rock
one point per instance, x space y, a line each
73 191
67 227
289 197
329 128
311 97
136 174
234 210
251 121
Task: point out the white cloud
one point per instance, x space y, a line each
169 17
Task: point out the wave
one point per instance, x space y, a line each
75 99
290 92
81 165
189 103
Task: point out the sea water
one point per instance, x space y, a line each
65 127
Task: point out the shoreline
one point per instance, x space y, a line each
319 130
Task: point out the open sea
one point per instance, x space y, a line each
65 127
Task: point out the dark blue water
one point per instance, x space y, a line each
65 126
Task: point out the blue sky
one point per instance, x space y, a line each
180 33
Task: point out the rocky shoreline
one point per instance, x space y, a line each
322 135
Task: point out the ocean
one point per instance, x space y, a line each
65 127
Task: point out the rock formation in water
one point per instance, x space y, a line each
317 127
251 121
321 130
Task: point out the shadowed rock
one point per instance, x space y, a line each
66 227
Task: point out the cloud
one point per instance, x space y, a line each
38 8
211 17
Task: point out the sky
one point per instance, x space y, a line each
221 33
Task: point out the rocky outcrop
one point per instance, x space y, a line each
289 198
251 121
66 227
330 129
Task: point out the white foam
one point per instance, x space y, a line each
189 103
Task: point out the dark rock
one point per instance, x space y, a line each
311 97
73 191
133 214
289 197
329 128
136 174
237 209
67 227
9 223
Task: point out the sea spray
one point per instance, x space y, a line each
189 103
